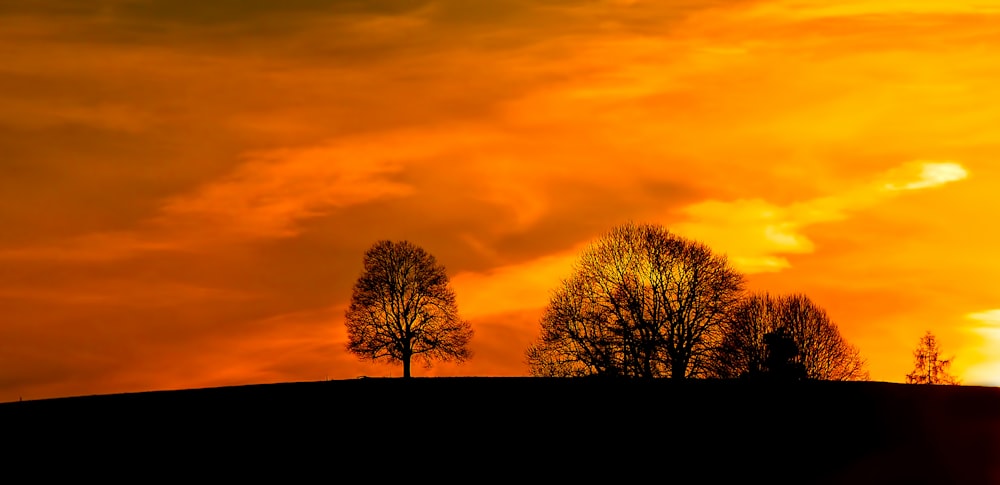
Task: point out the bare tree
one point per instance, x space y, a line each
928 368
641 302
822 351
403 307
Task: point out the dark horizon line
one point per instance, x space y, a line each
602 379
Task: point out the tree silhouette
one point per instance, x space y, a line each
402 307
927 367
820 349
641 302
782 357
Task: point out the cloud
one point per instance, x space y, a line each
852 8
926 174
986 368
990 317
756 233
125 293
274 190
512 288
266 197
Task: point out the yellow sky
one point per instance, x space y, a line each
189 187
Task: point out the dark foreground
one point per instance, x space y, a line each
491 430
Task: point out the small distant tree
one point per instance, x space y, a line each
928 367
403 307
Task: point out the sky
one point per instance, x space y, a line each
189 187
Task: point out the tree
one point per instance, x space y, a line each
927 367
781 361
402 307
640 302
820 349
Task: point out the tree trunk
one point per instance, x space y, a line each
406 365
678 368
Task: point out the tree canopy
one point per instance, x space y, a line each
641 302
821 350
928 367
403 307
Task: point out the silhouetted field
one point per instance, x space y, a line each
531 429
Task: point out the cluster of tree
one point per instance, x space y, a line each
767 334
640 302
644 302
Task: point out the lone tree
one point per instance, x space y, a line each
927 367
403 307
821 350
641 302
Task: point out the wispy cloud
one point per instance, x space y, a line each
924 175
756 234
814 8
986 367
267 197
512 288
273 191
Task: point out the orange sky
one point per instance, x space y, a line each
189 187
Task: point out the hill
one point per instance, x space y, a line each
474 429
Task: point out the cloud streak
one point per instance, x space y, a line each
931 174
756 234
986 368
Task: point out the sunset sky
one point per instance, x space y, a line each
188 187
